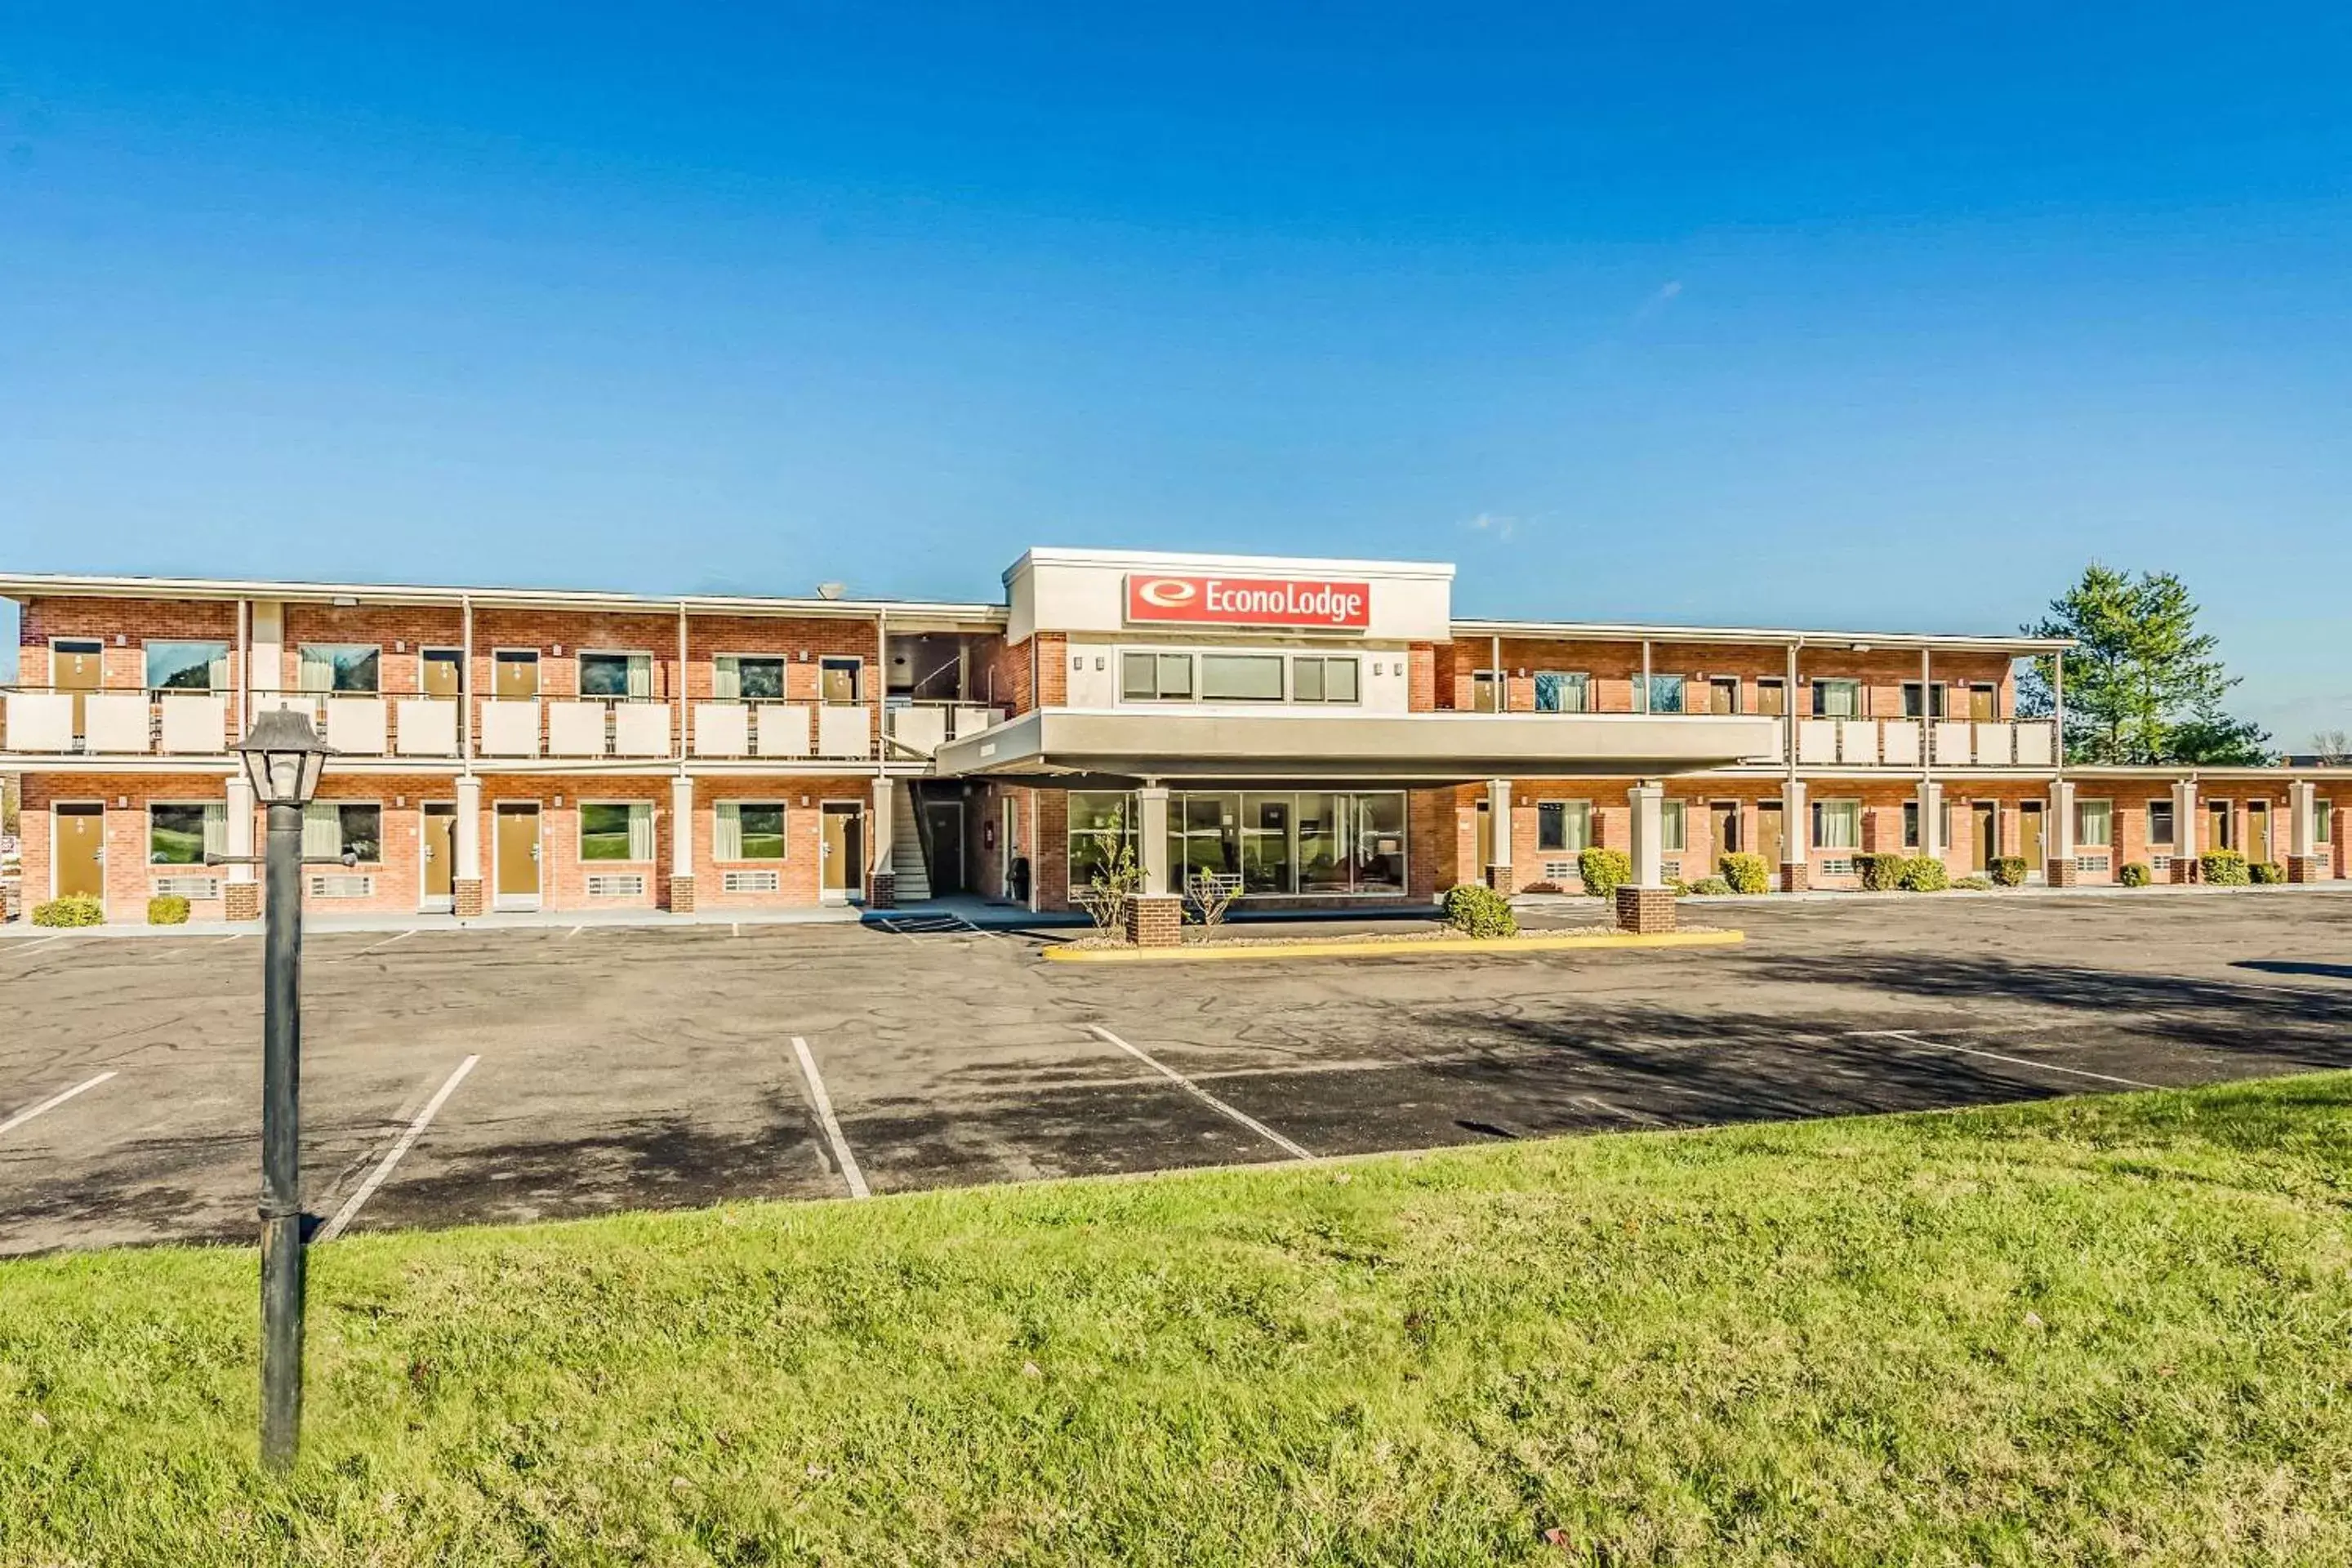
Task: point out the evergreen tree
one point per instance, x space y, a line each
2144 686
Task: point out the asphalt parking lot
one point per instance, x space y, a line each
453 1077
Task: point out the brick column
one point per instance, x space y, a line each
2058 851
1646 912
468 896
1498 826
681 846
1155 920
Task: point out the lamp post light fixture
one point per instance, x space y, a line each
283 758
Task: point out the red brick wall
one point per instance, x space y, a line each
130 879
801 869
134 621
401 631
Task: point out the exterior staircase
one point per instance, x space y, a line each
906 846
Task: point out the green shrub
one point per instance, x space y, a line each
1745 873
2224 868
73 909
1476 909
1711 887
1605 871
2008 871
2267 871
167 909
1879 873
2135 873
1924 874
1975 884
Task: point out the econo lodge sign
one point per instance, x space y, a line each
1249 600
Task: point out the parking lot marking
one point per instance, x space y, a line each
40 941
1905 1035
575 930
238 936
362 952
847 1161
1602 1105
51 1103
358 1200
1194 1089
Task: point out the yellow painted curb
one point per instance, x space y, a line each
1490 946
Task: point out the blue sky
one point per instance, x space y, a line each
1889 317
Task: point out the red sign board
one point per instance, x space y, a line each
1249 600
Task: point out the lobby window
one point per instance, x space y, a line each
1563 692
748 830
1102 823
621 830
1241 677
180 835
1487 691
616 674
1155 677
1837 699
738 679
1664 694
1323 681
1771 695
332 829
187 666
2160 822
1673 820
1911 700
1723 694
1837 825
1563 827
2094 824
347 667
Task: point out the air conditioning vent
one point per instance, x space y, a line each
1563 871
1837 867
187 887
618 885
2090 862
344 886
751 883
1671 869
2161 865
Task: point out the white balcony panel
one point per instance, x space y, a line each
1816 741
1898 745
428 727
195 723
355 725
510 727
1858 740
973 720
115 722
722 729
922 729
575 729
844 729
1996 745
2035 744
1952 749
783 729
641 728
40 721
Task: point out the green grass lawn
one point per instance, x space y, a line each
2100 1331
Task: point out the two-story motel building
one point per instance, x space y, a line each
1324 731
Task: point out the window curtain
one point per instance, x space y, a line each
216 671
727 838
318 670
322 827
641 831
641 676
727 679
216 828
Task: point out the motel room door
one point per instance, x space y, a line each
74 668
845 850
1485 838
2029 839
2219 832
77 850
439 853
1726 813
945 871
1987 846
517 854
1769 841
2258 831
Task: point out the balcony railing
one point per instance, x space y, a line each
921 728
1909 743
761 728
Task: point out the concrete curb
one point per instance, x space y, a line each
1491 947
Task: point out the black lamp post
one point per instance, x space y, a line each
283 758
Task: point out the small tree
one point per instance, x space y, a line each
1105 894
2144 686
1209 899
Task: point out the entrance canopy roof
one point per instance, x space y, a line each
1401 748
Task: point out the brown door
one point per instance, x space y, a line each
1723 696
440 850
838 680
2217 826
1768 836
443 674
2258 830
2028 837
1987 849
946 868
515 674
1726 817
1981 703
80 850
74 666
1486 839
844 844
518 846
1771 698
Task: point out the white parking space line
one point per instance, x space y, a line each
1621 1114
240 936
37 942
848 1162
51 1103
358 1200
1910 1038
575 930
1202 1095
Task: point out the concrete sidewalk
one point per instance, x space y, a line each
313 922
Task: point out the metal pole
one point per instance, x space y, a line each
282 1174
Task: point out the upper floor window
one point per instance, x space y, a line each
616 674
737 677
1563 692
1323 681
1911 704
1155 677
1665 694
1836 698
187 666
837 679
1241 677
1723 694
339 666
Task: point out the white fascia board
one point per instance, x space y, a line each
1838 641
1189 561
61 584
